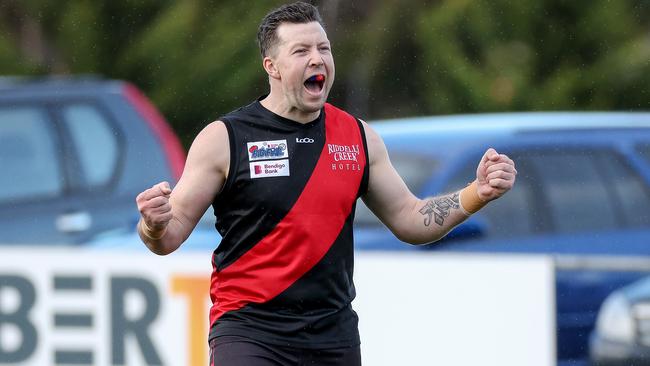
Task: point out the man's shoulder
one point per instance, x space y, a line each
241 112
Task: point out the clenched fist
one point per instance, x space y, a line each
155 209
495 175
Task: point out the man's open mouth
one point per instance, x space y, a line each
315 83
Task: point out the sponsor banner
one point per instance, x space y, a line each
262 150
66 307
269 168
422 309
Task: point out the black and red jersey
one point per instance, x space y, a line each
283 271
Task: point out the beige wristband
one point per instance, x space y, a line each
469 200
146 231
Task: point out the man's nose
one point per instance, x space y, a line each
316 59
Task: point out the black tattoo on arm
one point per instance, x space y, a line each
438 208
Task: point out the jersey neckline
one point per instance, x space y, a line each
286 121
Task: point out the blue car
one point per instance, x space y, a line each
74 152
582 195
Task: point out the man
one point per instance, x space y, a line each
283 175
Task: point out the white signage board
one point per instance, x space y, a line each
421 309
103 308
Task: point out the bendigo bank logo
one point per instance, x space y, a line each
270 168
267 150
345 157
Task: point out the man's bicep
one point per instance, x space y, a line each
204 174
387 196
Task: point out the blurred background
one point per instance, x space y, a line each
198 59
101 99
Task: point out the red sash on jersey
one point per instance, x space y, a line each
309 229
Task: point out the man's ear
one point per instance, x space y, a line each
270 67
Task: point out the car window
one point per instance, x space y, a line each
28 156
631 191
415 171
94 140
565 191
577 190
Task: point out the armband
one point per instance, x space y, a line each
469 200
146 231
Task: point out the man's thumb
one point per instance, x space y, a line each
165 188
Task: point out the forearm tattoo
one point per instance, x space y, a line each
439 208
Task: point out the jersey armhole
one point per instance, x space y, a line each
363 187
234 161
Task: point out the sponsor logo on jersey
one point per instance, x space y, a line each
262 150
345 157
270 168
305 140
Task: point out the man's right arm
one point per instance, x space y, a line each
169 216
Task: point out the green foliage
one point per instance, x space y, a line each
501 55
198 59
10 61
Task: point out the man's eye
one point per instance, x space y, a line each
300 50
325 48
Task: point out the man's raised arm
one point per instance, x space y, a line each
169 216
420 221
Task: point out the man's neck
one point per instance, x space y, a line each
282 108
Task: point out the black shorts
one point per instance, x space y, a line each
240 351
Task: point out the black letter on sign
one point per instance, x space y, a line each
138 328
19 319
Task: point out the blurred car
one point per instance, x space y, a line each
74 152
622 334
582 195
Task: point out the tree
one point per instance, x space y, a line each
501 55
198 59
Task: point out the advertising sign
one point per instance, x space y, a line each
75 307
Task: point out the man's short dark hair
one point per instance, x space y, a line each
297 13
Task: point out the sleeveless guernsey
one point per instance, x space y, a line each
282 273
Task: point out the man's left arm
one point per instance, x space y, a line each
420 221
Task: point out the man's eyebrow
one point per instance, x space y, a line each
307 44
299 44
